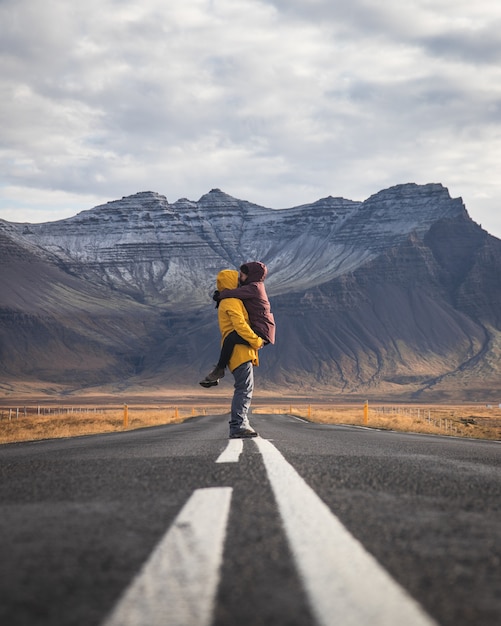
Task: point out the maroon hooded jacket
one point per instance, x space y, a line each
253 295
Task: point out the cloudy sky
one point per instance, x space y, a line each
279 102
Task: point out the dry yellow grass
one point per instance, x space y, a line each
47 423
475 421
35 423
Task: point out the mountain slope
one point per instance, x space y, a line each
392 325
59 329
398 295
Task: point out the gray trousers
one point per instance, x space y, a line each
242 396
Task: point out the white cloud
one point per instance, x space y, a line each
276 101
26 204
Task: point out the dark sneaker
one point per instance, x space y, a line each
213 378
204 383
244 433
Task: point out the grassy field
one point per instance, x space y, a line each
475 421
34 422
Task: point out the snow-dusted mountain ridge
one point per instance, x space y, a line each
170 253
397 295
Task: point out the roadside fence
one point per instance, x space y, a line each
176 412
447 424
381 416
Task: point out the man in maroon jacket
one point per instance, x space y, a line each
253 294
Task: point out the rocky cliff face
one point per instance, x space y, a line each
398 294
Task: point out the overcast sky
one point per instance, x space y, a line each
279 102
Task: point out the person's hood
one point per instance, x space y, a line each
257 272
227 279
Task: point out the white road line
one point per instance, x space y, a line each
344 583
299 419
178 583
232 451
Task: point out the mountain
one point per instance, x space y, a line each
397 296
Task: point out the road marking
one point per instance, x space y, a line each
344 583
232 451
178 583
299 419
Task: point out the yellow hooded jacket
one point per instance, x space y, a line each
232 315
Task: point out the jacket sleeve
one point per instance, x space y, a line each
240 324
245 292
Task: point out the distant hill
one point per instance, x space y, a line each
398 296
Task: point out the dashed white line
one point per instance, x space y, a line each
344 583
178 583
232 452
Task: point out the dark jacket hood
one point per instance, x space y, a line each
257 271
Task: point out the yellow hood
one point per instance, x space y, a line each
227 279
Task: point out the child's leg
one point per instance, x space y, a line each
230 341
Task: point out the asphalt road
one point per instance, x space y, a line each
309 524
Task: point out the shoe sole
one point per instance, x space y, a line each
245 436
207 385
